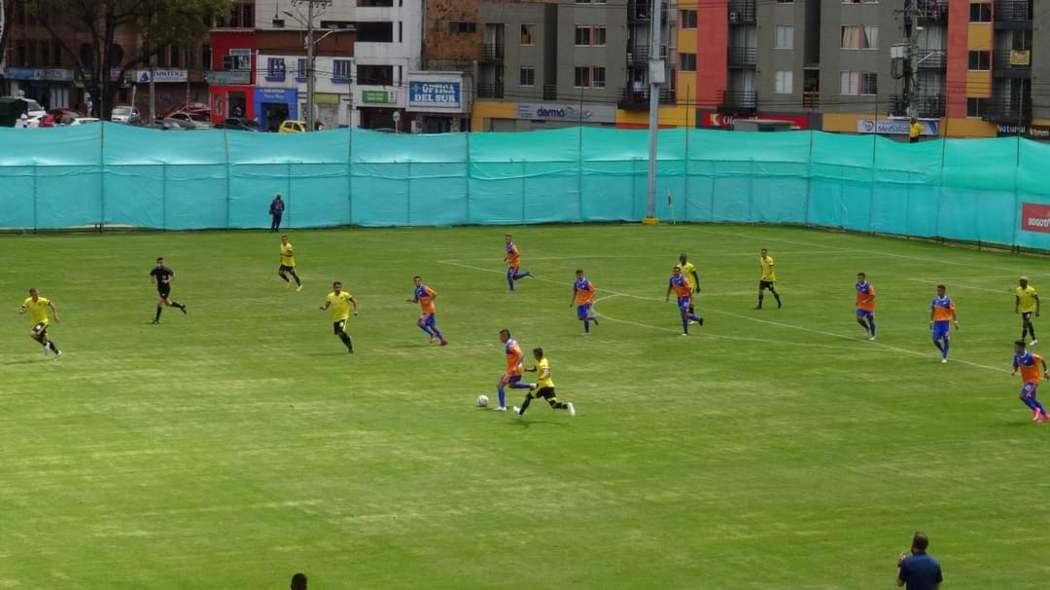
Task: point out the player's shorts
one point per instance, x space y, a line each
509 379
40 328
338 327
164 289
762 285
941 329
583 311
1029 389
428 319
544 393
1027 315
685 302
865 314
285 268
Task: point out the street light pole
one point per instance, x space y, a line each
656 79
311 79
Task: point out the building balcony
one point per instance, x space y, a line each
743 57
1009 109
811 100
933 11
1012 64
639 11
932 59
1013 14
492 53
739 102
638 100
490 90
928 106
638 55
742 12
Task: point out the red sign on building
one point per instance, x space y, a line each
1035 218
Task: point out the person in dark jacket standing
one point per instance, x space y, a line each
276 211
919 571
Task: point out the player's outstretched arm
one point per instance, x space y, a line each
21 309
696 282
1037 305
353 302
667 296
326 305
54 311
573 298
1017 304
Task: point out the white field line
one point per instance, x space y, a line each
897 349
963 286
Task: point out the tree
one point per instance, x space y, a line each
96 24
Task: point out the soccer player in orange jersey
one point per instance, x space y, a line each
942 314
583 297
512 376
681 287
1029 365
866 305
513 260
425 296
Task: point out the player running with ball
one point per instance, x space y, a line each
544 388
1030 364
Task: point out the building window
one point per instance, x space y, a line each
300 70
981 12
528 34
342 69
527 77
589 77
687 20
275 69
590 36
980 60
687 62
785 82
460 27
860 37
858 83
976 107
785 37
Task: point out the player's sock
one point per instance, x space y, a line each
296 277
53 346
521 275
525 404
437 333
587 325
696 318
594 319
557 405
425 328
871 323
937 343
1029 401
156 318
178 305
283 276
944 351
777 297
864 324
760 298
522 385
1031 330
347 341
502 396
685 324
510 280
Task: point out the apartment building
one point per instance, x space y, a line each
550 63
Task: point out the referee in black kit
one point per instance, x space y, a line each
162 276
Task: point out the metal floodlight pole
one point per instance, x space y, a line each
656 79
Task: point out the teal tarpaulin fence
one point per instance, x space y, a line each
963 189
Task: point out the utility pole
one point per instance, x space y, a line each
311 79
910 59
656 79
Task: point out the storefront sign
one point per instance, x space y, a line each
40 74
159 76
229 77
1033 131
897 126
383 97
588 113
1035 218
726 120
442 95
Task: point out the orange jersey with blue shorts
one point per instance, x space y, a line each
513 258
865 296
943 309
514 358
424 295
1029 364
584 291
681 286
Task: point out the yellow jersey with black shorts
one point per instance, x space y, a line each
1026 299
339 307
287 256
769 273
544 387
38 312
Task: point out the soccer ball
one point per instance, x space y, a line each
483 401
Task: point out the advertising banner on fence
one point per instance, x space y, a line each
1035 217
897 126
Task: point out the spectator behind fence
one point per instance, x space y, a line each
298 582
918 571
276 211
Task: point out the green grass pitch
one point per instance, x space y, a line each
772 449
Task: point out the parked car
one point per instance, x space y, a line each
292 127
39 121
24 111
190 120
237 124
125 114
193 108
83 121
163 125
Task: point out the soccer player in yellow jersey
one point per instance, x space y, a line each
544 387
339 302
768 280
689 271
288 264
1026 303
38 308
